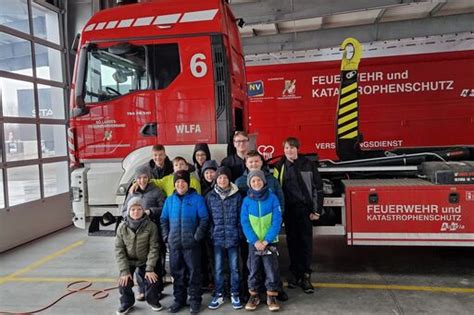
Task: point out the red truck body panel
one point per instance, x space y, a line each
409 212
410 101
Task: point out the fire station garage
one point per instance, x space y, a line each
151 150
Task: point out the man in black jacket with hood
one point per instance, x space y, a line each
303 189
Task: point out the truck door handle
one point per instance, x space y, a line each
149 129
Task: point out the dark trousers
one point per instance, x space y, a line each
263 264
185 265
299 238
127 297
206 261
141 280
244 274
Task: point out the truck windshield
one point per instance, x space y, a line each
125 68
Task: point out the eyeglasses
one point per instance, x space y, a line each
240 141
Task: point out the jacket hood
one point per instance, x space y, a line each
201 147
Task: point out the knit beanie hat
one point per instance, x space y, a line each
209 164
257 173
142 170
134 201
224 170
184 175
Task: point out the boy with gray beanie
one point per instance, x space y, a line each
152 200
261 220
137 248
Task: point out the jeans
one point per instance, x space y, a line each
233 257
266 263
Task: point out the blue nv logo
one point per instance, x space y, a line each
255 88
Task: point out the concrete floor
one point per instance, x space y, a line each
349 280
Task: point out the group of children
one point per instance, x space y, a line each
172 207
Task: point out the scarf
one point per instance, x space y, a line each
262 194
135 224
222 192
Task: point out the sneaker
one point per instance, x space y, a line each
157 307
236 304
292 281
306 284
216 301
282 296
124 309
175 307
272 303
252 303
140 297
194 308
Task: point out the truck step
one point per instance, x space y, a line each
102 233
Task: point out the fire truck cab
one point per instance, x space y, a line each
168 72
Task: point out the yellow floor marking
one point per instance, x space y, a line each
40 262
69 279
393 287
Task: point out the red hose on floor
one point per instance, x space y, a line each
96 295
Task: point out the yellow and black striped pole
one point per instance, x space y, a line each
347 125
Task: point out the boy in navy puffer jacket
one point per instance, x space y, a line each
184 223
224 202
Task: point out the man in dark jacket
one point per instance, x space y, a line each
184 223
236 161
160 165
137 248
152 200
303 189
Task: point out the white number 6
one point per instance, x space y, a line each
198 66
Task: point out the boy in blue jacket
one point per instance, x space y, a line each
184 223
261 220
224 202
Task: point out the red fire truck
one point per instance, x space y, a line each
410 179
169 72
172 72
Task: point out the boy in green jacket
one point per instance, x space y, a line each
137 248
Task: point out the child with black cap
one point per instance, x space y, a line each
184 223
208 176
224 202
261 220
137 248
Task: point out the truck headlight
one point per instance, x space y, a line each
122 190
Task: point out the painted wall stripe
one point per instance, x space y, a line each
125 23
144 21
167 19
413 243
205 15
